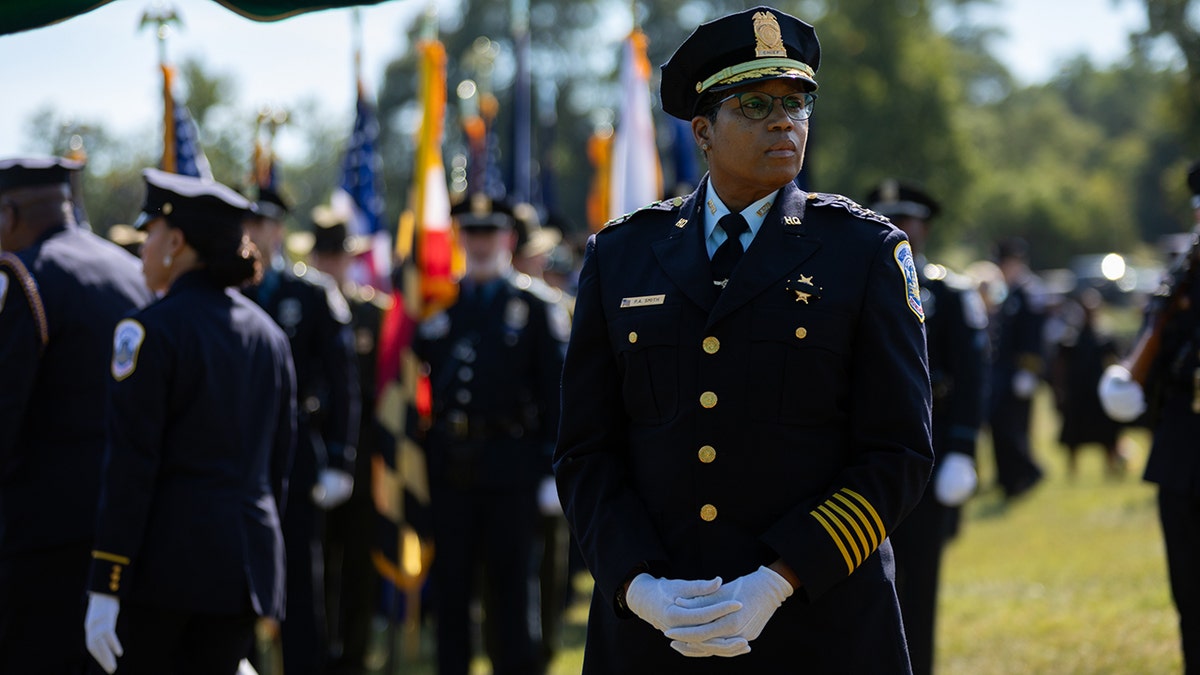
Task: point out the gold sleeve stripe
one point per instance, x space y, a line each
862 518
861 538
836 540
111 557
870 509
847 538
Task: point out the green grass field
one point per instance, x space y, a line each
1069 579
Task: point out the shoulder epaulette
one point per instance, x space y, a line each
661 205
29 285
846 204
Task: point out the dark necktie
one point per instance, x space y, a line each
730 251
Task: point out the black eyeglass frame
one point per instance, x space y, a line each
802 113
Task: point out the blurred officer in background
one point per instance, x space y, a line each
201 424
494 360
62 290
956 335
1018 364
127 237
1173 383
746 397
313 314
351 583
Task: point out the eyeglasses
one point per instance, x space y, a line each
756 105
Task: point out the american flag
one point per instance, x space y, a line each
360 195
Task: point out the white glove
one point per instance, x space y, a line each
733 646
758 594
1024 384
1121 397
955 480
333 488
100 630
659 602
548 503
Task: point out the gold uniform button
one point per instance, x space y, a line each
632 336
707 454
708 399
708 513
711 345
114 587
801 332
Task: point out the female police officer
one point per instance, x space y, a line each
746 401
200 432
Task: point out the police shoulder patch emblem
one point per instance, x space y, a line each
127 342
912 288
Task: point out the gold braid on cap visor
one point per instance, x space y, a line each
756 70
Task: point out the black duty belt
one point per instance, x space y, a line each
458 425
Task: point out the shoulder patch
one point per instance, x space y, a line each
846 204
127 342
912 288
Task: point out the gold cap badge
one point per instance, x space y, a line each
767 36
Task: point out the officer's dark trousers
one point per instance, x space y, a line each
303 627
1180 516
918 543
42 604
489 530
159 641
1015 468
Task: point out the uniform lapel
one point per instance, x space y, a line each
683 256
781 244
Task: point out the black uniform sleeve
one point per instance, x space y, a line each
282 454
962 410
20 353
340 364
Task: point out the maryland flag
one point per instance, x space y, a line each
181 138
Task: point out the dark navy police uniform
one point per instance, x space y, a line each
59 301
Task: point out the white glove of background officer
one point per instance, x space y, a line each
548 503
759 594
956 479
1024 383
1121 397
333 488
659 602
100 630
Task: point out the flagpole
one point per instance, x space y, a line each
162 17
522 117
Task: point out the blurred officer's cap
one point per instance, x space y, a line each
480 213
532 238
206 211
749 46
19 172
1012 248
894 199
271 204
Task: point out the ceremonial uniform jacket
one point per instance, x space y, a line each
1173 391
200 433
495 359
956 328
1018 340
59 301
705 435
316 319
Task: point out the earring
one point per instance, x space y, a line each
167 260
704 147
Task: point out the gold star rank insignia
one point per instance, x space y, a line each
806 280
801 296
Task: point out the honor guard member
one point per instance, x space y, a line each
494 360
314 316
957 339
1018 363
1171 403
201 425
745 396
350 579
62 290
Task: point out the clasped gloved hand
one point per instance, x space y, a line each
956 479
757 594
333 488
1024 384
660 602
1121 397
100 630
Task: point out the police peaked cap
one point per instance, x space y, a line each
751 46
271 204
207 212
480 212
894 199
20 172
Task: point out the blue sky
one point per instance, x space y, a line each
100 67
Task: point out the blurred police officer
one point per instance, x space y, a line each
62 290
956 335
201 424
1018 364
745 396
494 360
1173 385
313 314
350 578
